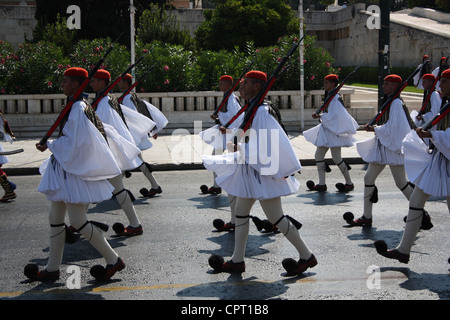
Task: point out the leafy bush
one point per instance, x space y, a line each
59 34
211 65
7 62
317 64
37 68
172 71
87 53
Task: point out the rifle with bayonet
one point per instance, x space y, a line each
334 92
135 84
437 118
77 94
103 93
394 96
229 92
428 96
259 99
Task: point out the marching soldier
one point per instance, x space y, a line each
384 149
132 101
250 176
429 173
74 176
224 115
7 185
431 102
443 65
418 78
335 131
110 112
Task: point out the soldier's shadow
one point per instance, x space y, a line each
326 198
437 283
211 202
238 288
79 251
371 233
254 247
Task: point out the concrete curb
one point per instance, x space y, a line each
28 171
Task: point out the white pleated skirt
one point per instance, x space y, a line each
241 180
372 151
3 159
322 137
429 172
59 185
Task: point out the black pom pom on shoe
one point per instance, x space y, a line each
218 224
290 265
118 228
98 272
204 188
216 262
348 216
31 270
381 246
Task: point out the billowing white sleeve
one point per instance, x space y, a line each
441 139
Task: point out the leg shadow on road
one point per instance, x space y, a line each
326 198
76 253
111 205
237 288
437 283
211 202
367 233
60 291
255 244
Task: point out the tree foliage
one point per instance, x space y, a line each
158 24
236 22
99 18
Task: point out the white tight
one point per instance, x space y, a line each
232 200
78 218
274 212
148 173
337 159
414 219
124 200
373 171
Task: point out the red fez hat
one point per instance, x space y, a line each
226 78
429 76
446 74
76 72
393 78
443 58
102 74
255 74
425 56
128 77
331 77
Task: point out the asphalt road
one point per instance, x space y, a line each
170 260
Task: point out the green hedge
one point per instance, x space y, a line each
38 67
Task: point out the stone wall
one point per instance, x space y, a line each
345 35
16 22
